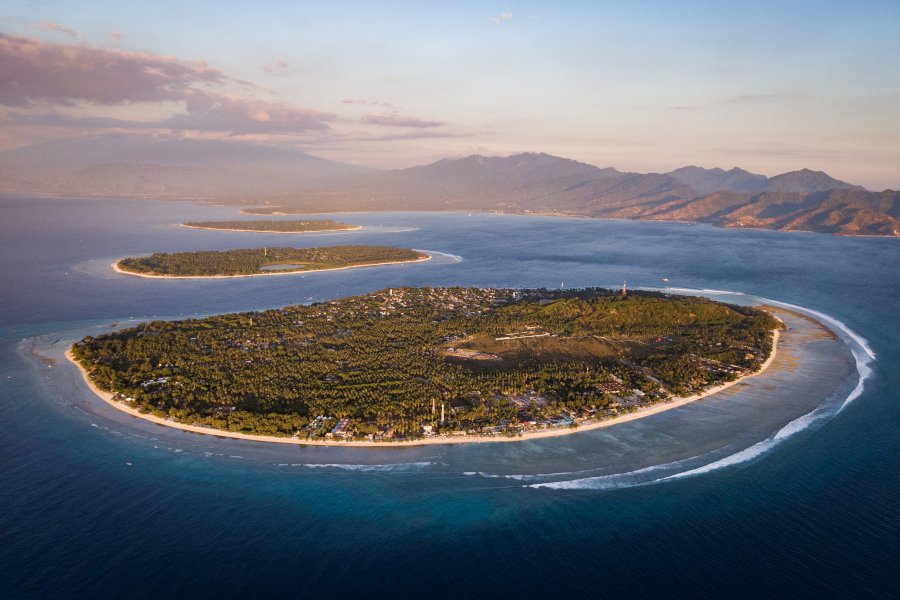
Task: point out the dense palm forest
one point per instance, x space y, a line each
248 261
391 360
273 226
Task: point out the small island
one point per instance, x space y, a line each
274 226
429 365
248 262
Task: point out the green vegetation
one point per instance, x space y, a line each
272 226
248 261
493 359
269 210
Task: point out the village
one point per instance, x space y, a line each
408 364
443 423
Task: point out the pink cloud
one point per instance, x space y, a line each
275 65
51 26
395 120
219 112
205 112
367 102
35 71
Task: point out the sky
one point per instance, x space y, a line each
644 86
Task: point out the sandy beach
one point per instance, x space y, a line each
115 266
456 439
339 229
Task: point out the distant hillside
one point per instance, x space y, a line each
135 165
539 183
843 211
707 181
286 180
739 181
520 183
808 181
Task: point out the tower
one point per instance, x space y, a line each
624 288
442 413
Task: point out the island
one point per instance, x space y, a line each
274 226
429 365
249 262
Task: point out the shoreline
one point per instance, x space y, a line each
454 439
115 267
348 228
217 201
563 215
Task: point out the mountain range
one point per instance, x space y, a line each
142 166
281 180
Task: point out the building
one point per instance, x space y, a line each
342 429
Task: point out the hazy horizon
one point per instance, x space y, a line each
645 88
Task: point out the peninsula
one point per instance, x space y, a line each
429 365
249 262
274 226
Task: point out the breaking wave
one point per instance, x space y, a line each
616 480
362 468
702 290
453 257
863 356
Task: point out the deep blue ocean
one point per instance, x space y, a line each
783 489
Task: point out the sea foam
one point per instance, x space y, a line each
863 356
362 468
453 257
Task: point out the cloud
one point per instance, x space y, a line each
395 120
275 65
219 112
39 73
413 135
367 102
52 119
36 71
501 18
51 26
205 112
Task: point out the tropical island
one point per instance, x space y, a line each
274 226
426 365
247 262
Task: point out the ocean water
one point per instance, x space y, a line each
786 487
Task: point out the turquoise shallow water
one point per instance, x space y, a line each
807 512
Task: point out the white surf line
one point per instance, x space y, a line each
699 290
862 359
863 356
362 468
613 480
759 448
454 257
